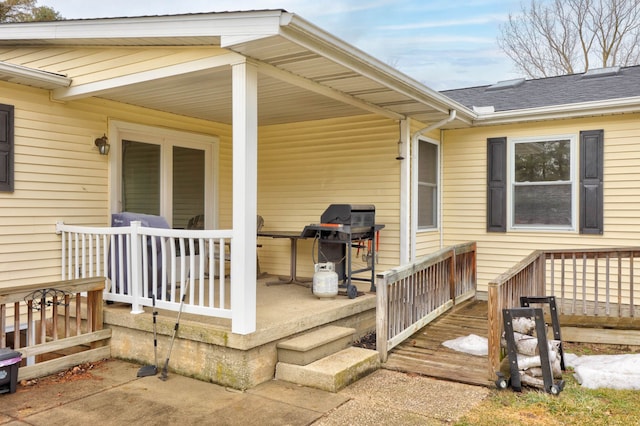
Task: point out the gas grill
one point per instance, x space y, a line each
342 228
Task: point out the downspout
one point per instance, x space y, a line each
414 204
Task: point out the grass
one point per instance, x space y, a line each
575 405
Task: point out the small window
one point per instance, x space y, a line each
427 185
543 183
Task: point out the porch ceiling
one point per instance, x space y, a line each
207 95
292 87
304 72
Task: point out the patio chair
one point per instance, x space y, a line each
197 222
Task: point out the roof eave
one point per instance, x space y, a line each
302 32
254 23
227 29
558 112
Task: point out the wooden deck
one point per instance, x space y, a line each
424 354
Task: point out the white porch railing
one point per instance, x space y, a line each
141 261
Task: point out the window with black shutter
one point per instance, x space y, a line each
6 148
537 177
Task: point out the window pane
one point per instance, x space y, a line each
188 188
427 185
140 177
427 163
542 205
546 161
426 206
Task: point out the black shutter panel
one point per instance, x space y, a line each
6 148
497 184
591 177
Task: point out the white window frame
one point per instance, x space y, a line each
574 165
167 139
415 167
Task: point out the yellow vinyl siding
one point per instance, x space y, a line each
59 175
305 167
464 195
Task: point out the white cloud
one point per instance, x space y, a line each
476 20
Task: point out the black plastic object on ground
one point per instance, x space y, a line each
9 364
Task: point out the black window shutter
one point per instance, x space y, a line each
591 177
497 184
6 148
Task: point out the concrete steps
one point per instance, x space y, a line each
324 359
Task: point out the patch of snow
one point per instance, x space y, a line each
606 371
591 371
471 344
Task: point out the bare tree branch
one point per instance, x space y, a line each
553 37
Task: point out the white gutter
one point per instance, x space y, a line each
555 112
414 201
33 77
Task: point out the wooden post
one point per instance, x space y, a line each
452 276
3 327
16 325
98 311
494 321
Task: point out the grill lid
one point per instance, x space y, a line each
350 214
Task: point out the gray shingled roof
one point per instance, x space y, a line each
562 90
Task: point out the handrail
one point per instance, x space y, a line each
410 296
589 282
523 279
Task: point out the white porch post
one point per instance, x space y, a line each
135 263
245 176
406 240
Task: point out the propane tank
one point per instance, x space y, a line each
325 280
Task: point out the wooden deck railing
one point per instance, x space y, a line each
524 279
588 282
411 296
49 323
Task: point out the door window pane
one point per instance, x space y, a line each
188 188
140 177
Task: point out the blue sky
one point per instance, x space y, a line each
444 44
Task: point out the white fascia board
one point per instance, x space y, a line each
195 25
556 112
38 78
99 87
315 39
